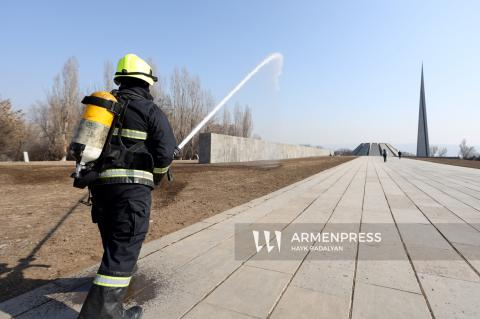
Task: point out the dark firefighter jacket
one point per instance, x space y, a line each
146 133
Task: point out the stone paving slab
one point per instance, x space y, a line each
431 270
306 304
372 302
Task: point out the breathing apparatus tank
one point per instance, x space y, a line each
92 133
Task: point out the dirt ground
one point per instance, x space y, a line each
45 233
453 161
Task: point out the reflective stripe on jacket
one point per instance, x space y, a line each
160 170
138 135
127 176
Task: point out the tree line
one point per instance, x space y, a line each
46 130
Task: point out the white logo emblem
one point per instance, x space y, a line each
266 233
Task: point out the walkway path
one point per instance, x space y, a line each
428 265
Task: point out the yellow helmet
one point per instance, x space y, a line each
133 66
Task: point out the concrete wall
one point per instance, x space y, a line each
217 148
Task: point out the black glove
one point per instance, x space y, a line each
157 178
85 179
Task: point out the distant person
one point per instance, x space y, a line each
399 155
384 154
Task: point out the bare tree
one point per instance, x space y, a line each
436 151
247 123
237 120
257 137
186 103
108 74
226 122
242 124
442 152
466 152
209 104
343 152
159 90
190 104
57 116
35 143
12 132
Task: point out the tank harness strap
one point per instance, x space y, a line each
112 106
119 123
136 147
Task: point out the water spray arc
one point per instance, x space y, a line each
267 60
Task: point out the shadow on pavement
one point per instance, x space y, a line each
12 278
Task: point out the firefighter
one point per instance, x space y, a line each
138 156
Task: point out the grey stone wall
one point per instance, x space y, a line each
217 148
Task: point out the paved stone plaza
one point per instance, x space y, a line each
193 273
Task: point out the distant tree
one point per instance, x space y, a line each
436 151
12 132
407 154
242 121
108 74
442 152
159 90
57 116
190 104
35 143
247 123
237 120
256 136
466 152
433 151
242 124
214 127
343 152
227 128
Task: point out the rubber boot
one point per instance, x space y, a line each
107 303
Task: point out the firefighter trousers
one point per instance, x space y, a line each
122 213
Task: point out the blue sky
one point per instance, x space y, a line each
351 70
